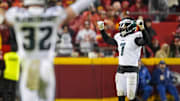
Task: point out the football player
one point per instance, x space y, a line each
36 28
129 42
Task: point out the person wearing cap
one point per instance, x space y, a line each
163 80
144 80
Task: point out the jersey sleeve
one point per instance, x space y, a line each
139 34
139 40
108 39
58 11
11 15
115 36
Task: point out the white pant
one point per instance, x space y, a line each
37 81
126 84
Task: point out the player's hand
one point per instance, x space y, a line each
100 25
140 23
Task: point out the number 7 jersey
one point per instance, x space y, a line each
36 33
129 52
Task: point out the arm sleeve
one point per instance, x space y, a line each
141 41
11 15
57 10
108 39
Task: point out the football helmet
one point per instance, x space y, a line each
127 26
34 2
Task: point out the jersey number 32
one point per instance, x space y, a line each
30 37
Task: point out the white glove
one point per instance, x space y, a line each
140 23
100 25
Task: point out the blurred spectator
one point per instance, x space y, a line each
172 4
64 46
138 7
86 39
4 5
90 15
66 3
58 3
102 15
117 13
93 17
163 52
17 3
147 52
155 44
110 13
5 38
116 6
106 50
8 43
125 6
106 3
177 31
159 8
99 9
150 30
144 80
150 49
175 47
111 27
162 78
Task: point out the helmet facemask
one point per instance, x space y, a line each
127 26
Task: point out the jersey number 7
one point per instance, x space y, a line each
122 48
31 38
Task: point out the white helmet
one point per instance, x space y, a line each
34 2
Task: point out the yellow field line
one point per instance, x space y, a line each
111 61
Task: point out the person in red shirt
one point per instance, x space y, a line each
125 6
138 7
106 3
104 48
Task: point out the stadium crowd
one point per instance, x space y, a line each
81 37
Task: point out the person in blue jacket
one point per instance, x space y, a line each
144 80
163 80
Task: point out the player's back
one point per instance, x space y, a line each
36 31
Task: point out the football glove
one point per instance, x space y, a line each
140 24
100 25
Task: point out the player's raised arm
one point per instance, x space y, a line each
106 38
76 8
140 41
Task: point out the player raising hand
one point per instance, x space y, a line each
129 43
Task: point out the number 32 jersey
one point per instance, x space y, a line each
36 33
129 52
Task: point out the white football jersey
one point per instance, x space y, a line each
129 52
36 33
